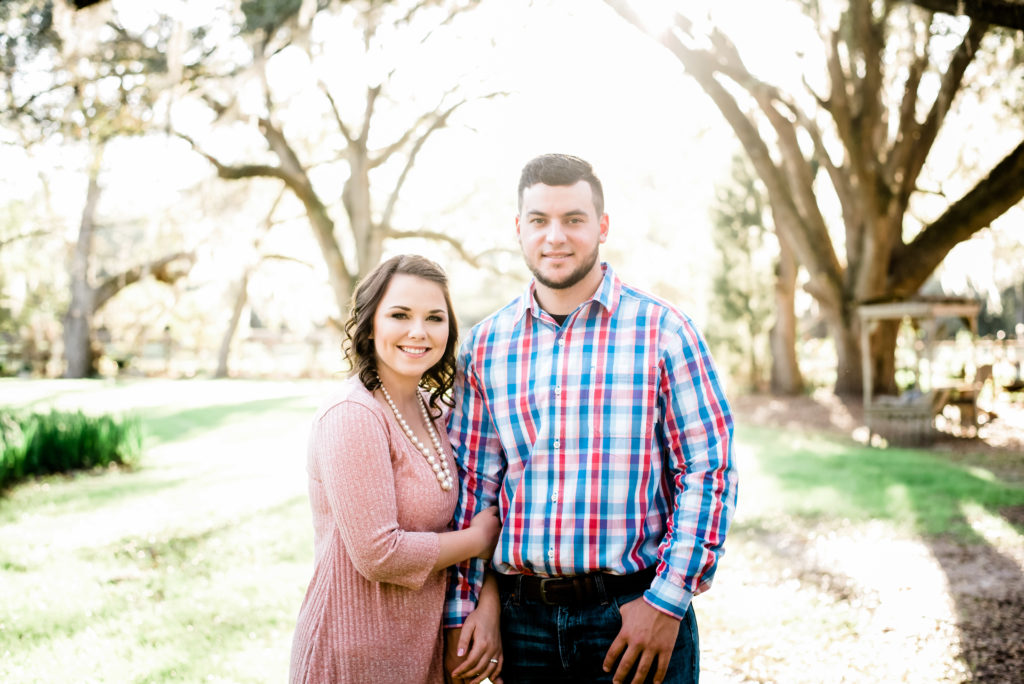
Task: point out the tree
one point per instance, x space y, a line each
377 161
98 89
871 127
750 283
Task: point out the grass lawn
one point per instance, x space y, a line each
817 477
192 567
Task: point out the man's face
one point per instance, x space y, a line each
559 232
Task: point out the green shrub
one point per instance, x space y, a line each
58 442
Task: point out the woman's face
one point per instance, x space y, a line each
410 328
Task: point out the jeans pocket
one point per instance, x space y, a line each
508 599
618 601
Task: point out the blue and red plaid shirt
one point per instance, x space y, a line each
606 442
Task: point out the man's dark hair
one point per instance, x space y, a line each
561 169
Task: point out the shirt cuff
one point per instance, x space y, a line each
455 616
668 598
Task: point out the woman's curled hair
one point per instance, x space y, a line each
358 343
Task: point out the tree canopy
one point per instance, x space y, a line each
889 74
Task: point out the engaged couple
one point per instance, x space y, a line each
539 504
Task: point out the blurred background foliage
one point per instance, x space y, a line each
195 188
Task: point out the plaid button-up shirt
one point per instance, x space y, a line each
606 443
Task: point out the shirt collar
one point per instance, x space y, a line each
607 295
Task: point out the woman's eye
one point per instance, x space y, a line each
399 315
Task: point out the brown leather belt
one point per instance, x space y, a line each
575 590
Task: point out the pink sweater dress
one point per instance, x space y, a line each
372 612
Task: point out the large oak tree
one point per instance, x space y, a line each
871 128
351 240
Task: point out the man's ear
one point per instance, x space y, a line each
604 227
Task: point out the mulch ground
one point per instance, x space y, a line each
904 609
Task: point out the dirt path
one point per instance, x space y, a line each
866 603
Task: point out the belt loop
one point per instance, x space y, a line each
517 595
601 591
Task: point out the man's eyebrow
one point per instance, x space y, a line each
571 212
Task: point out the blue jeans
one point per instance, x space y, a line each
558 644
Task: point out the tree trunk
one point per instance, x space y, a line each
875 172
844 329
78 353
241 297
883 357
786 379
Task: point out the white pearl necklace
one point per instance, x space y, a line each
439 464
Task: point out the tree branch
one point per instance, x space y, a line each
1001 189
371 99
474 260
383 155
1009 13
337 113
162 269
905 141
236 172
439 122
23 236
925 133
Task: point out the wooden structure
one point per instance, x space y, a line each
910 418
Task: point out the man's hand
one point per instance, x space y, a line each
647 635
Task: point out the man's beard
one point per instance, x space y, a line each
576 276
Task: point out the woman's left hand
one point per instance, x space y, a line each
480 640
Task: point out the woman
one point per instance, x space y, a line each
382 489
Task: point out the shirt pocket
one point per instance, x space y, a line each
624 425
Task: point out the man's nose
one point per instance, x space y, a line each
555 234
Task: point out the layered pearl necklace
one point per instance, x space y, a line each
438 464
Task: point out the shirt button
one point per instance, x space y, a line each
554 497
558 390
558 443
551 553
561 340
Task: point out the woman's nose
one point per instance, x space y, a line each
417 329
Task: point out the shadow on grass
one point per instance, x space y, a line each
163 573
171 425
93 489
826 477
177 572
149 553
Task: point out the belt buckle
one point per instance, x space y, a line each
543 588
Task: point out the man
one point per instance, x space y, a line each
592 415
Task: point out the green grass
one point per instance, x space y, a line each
819 477
189 569
192 567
